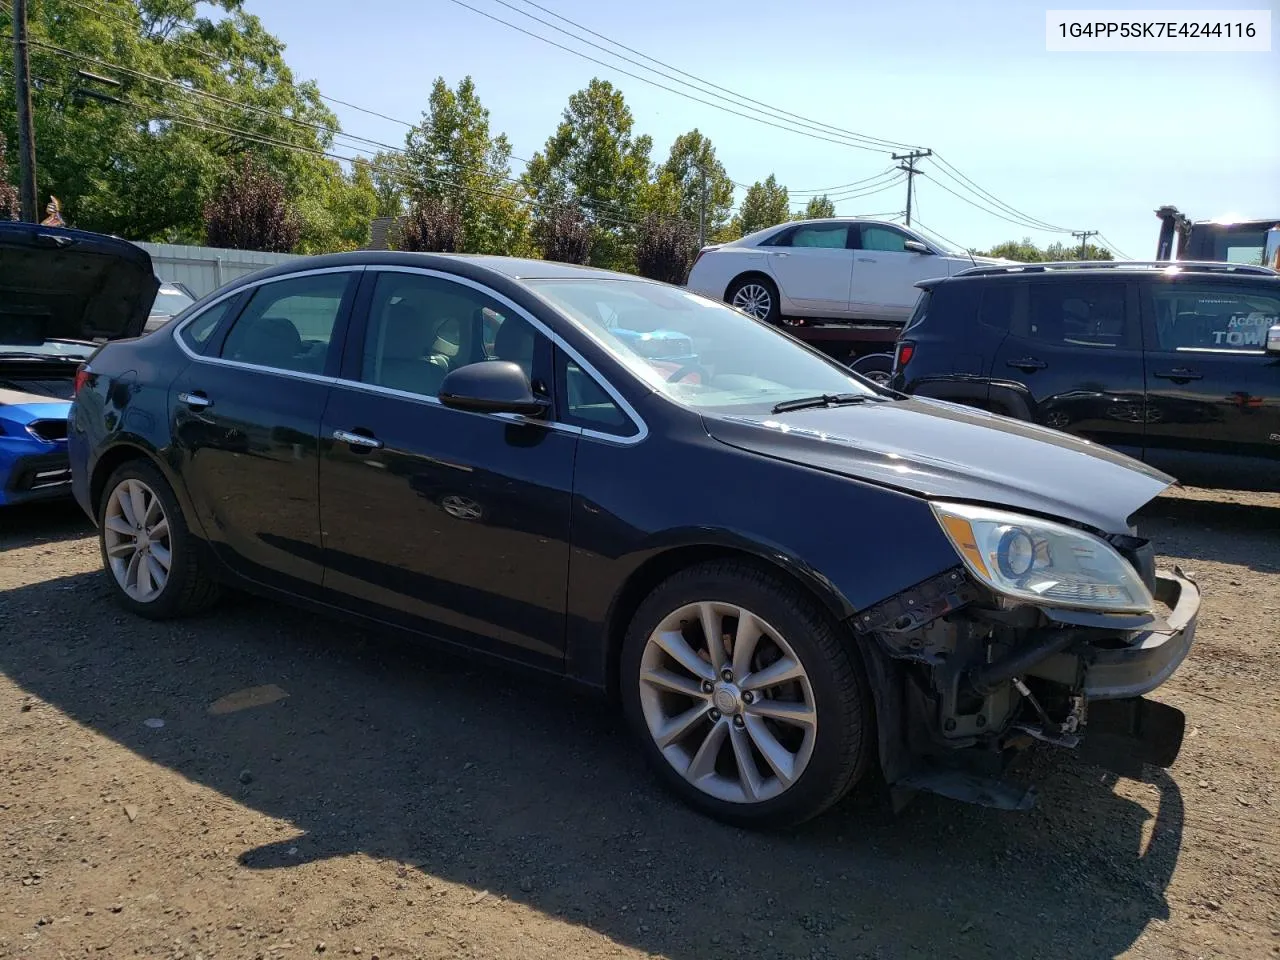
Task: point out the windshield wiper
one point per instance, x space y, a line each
822 400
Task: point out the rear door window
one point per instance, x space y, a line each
1213 317
288 324
1080 314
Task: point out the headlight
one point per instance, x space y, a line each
1041 562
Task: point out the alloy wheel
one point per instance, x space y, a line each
754 299
727 702
136 538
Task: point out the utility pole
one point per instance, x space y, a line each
26 129
702 209
910 168
1083 235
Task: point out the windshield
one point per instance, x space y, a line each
698 352
170 301
946 246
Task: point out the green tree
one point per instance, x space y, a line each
451 155
1062 251
145 165
387 170
1024 251
10 204
765 204
819 207
337 213
595 161
691 156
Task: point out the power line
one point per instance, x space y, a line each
842 186
955 175
699 84
995 213
595 207
660 86
1113 248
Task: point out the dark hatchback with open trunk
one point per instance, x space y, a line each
784 573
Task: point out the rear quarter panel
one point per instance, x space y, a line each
124 409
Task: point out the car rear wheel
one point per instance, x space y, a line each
744 697
876 367
755 296
148 553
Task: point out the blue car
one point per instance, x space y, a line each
63 293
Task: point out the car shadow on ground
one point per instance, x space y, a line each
1217 530
47 522
508 784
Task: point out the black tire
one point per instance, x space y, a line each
189 589
773 315
876 367
844 737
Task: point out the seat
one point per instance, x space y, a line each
401 363
268 341
515 342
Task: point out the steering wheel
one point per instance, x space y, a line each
685 370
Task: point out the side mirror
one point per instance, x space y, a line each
915 246
491 386
1273 340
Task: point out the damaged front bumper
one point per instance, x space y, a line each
1132 664
973 684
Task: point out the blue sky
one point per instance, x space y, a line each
1079 140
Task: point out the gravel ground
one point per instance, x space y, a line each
266 783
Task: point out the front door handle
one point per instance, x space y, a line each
361 441
1026 364
1179 375
196 400
777 254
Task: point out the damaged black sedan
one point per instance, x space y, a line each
785 574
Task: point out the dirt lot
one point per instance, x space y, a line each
356 796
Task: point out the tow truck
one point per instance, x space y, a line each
1255 242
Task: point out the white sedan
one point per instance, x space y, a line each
842 269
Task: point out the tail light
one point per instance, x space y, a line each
698 257
82 378
903 354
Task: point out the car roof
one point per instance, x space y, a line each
787 224
1108 269
475 266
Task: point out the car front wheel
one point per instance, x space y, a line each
745 697
149 555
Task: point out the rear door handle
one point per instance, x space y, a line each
866 259
1179 375
777 254
361 441
1026 364
196 400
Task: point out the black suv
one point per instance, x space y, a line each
1177 365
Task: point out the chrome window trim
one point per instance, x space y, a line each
219 361
642 429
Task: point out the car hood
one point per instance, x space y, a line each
71 285
19 406
941 450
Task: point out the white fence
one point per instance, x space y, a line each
205 269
